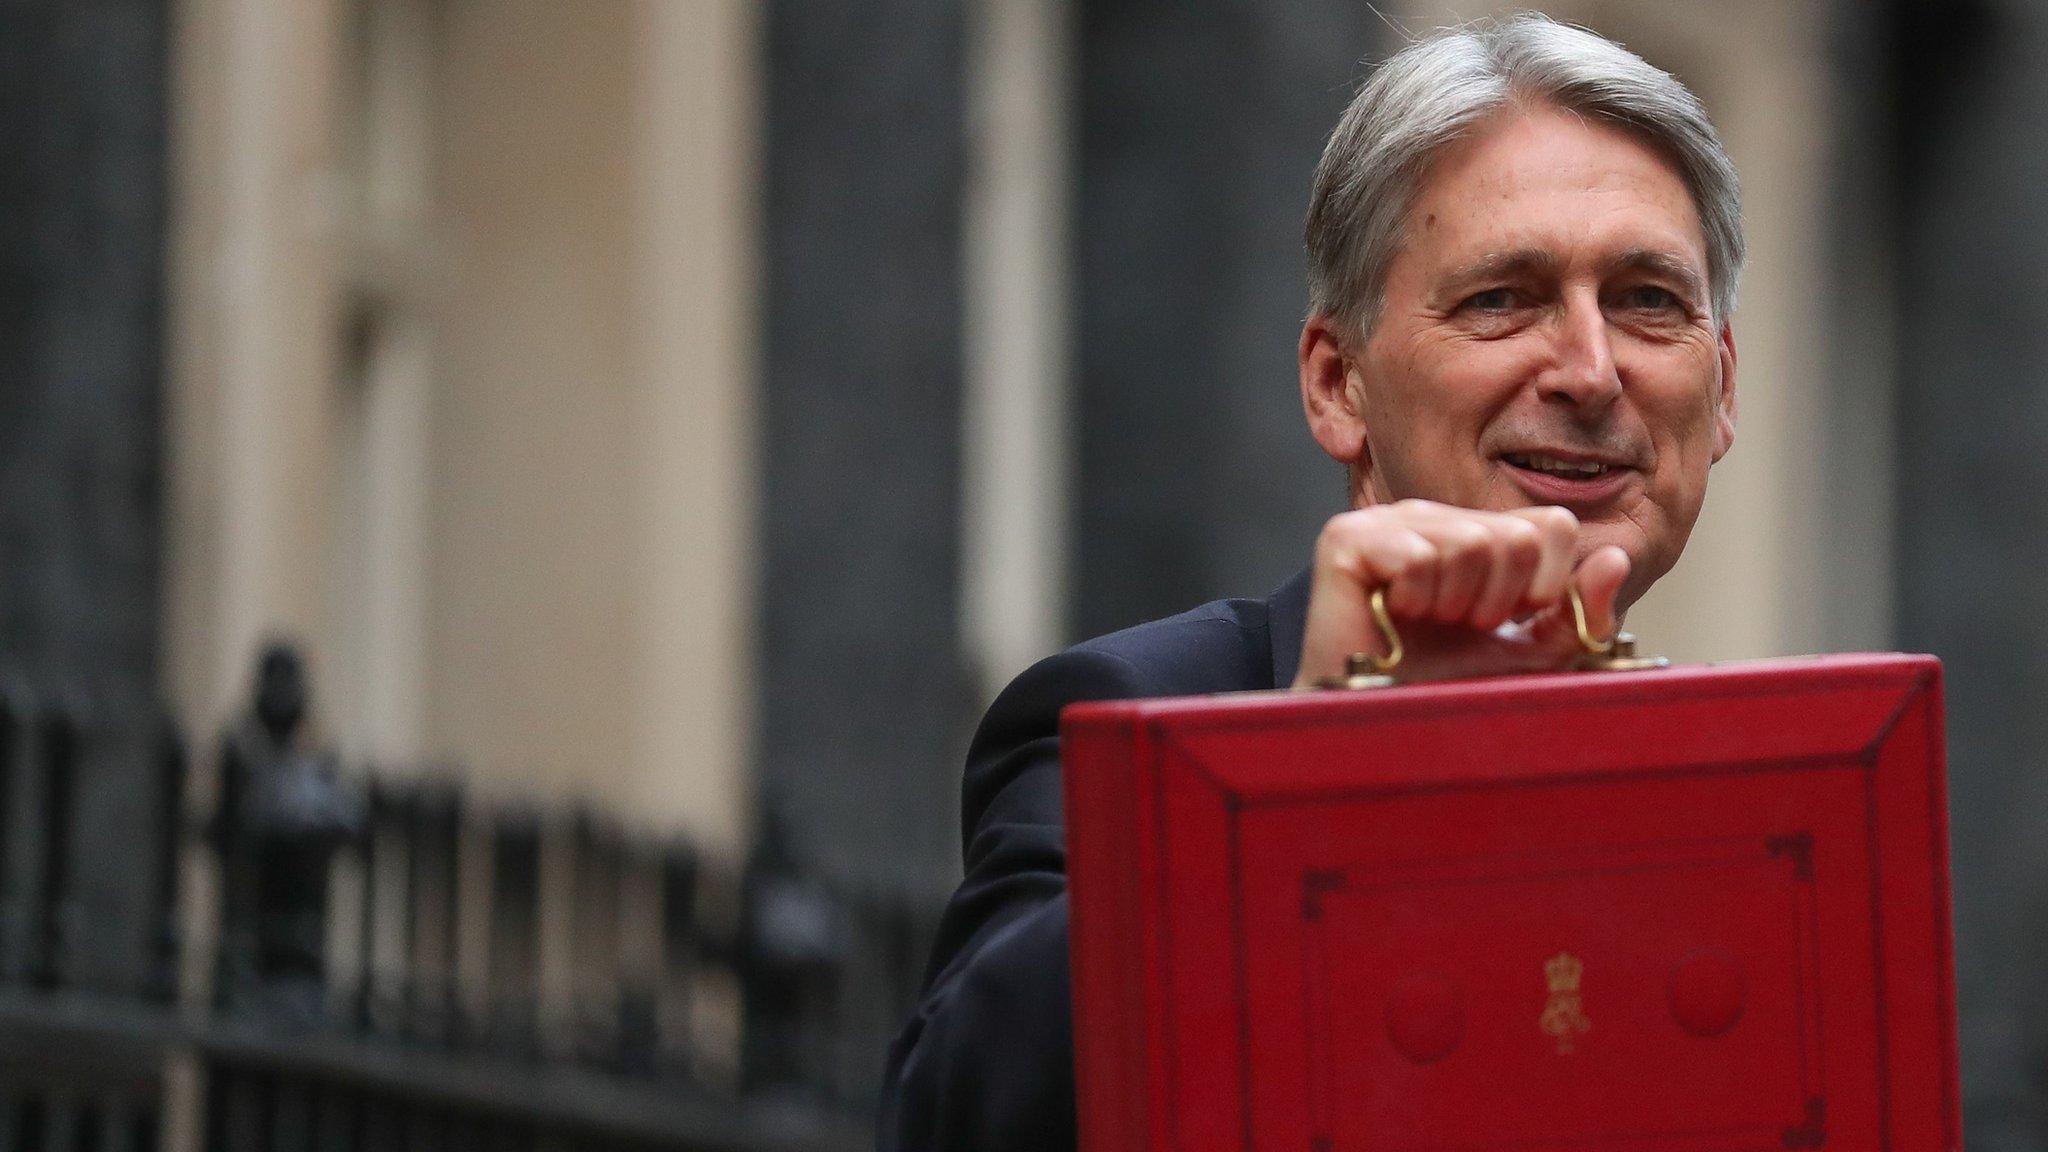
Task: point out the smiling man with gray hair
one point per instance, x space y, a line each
1524 244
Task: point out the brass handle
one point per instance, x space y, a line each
1372 670
1392 660
1615 655
1592 646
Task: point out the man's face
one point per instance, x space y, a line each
1546 338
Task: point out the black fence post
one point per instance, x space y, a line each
379 989
682 950
638 1025
594 946
20 801
514 968
432 863
791 951
60 739
160 979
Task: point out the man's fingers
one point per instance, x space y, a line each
1357 553
1457 574
1493 566
1363 552
1404 562
1517 555
1558 531
1411 587
1466 550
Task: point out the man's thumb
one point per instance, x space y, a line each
1599 578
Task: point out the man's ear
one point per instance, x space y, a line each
1327 397
1724 408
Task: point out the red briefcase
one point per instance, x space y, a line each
1700 908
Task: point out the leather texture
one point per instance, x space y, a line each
1685 910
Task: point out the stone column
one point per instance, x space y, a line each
696 164
1017 428
253 344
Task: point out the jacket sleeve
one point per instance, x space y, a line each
986 1063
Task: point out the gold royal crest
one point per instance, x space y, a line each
1564 1014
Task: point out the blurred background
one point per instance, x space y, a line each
509 509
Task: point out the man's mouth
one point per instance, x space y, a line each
1557 466
1586 486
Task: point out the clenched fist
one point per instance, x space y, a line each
1474 593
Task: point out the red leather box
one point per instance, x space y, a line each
1700 908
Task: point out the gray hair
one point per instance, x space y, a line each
1437 89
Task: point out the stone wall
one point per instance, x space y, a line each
1199 128
864 699
81 235
1970 109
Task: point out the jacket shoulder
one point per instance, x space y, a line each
1013 762
1222 646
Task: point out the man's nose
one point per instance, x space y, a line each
1583 373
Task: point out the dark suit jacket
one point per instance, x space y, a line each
986 1064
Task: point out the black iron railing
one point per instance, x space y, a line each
377 960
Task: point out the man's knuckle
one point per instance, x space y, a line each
1470 537
1524 540
1479 528
1417 555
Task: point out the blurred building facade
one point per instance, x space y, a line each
604 389
703 404
458 376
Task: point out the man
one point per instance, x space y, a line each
1524 245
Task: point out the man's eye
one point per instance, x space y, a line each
1650 298
1491 300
